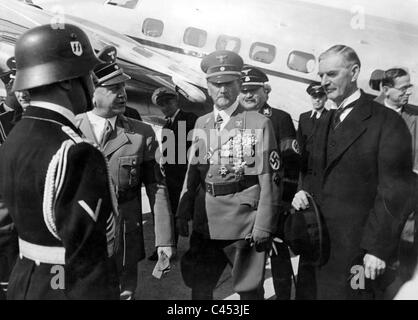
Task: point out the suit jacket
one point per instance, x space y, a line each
232 216
56 188
306 130
410 114
362 182
176 140
131 151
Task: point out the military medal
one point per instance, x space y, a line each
223 171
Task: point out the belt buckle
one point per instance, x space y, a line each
210 188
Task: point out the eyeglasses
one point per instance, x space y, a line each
404 89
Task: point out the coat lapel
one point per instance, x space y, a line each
235 121
313 124
354 126
117 139
85 126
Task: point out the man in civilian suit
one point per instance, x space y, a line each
396 88
174 140
361 170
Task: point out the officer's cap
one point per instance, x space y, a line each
222 66
109 73
315 90
8 75
162 92
253 77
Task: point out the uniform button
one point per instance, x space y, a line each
210 175
332 144
211 162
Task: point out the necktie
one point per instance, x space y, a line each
168 122
337 115
218 122
106 133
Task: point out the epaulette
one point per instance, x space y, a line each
72 134
76 137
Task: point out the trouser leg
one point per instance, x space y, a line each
281 269
306 282
202 265
248 271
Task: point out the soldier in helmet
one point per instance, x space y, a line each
254 95
230 188
55 184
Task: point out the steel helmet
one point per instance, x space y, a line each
45 55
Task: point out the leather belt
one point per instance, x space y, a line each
44 254
222 189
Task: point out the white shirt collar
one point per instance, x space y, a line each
55 107
317 113
98 119
350 99
98 124
225 114
397 109
173 117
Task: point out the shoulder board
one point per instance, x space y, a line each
73 135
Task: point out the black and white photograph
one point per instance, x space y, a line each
208 151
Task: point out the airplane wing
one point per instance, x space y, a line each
147 68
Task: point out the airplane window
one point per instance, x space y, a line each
129 4
228 43
262 52
152 27
301 61
195 37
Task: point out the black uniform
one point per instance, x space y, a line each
57 190
132 113
285 134
306 131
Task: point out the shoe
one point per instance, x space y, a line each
154 256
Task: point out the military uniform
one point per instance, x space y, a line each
55 185
229 185
284 131
8 238
131 154
59 200
130 150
